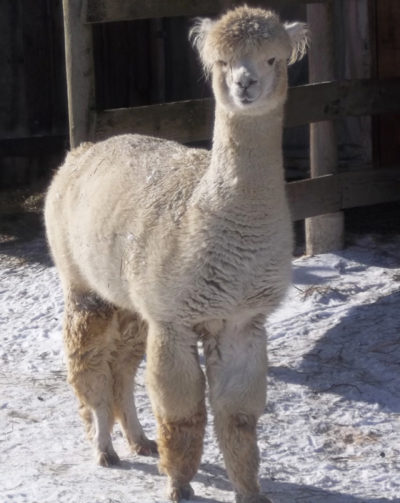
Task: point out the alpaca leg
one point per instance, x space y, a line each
236 370
89 326
87 417
176 386
129 352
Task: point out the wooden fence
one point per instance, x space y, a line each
191 120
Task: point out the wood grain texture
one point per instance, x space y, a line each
331 193
103 11
183 121
192 120
326 232
388 65
80 72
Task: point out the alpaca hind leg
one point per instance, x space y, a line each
89 328
236 369
129 352
87 417
176 387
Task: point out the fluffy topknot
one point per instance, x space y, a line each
243 29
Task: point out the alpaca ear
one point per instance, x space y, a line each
197 37
300 39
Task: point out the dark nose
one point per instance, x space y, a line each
245 83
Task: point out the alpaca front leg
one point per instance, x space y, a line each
176 387
236 369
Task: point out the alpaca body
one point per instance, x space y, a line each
144 251
159 246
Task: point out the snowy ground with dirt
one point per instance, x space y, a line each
331 429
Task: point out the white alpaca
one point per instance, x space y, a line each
155 241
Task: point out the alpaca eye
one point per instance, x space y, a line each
222 63
271 61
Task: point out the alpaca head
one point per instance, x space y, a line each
246 52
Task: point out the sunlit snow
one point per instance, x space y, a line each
331 429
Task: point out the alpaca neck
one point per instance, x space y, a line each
247 153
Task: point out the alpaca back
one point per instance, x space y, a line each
113 203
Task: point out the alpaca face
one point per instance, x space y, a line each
251 84
247 52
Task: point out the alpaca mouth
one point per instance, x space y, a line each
245 100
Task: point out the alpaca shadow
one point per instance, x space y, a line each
279 492
150 469
210 475
213 475
282 492
358 358
304 275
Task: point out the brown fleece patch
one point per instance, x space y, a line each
89 325
180 444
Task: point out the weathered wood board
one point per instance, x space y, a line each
103 11
331 193
192 120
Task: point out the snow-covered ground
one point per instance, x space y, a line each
331 429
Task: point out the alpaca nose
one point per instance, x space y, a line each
245 82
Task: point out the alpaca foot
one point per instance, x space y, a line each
177 493
253 498
145 447
108 458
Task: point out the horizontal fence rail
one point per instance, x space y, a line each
333 100
331 193
183 121
105 11
188 121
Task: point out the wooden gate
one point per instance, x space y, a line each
327 192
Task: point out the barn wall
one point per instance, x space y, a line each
387 36
32 89
355 145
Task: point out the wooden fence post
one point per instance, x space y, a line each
325 232
80 72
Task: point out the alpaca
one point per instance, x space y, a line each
160 247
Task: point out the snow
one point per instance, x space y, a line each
331 429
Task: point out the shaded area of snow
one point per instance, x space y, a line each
331 429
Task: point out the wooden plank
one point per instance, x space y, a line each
325 232
365 188
38 67
331 193
105 11
332 100
192 120
388 65
80 72
183 121
13 115
58 86
314 196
